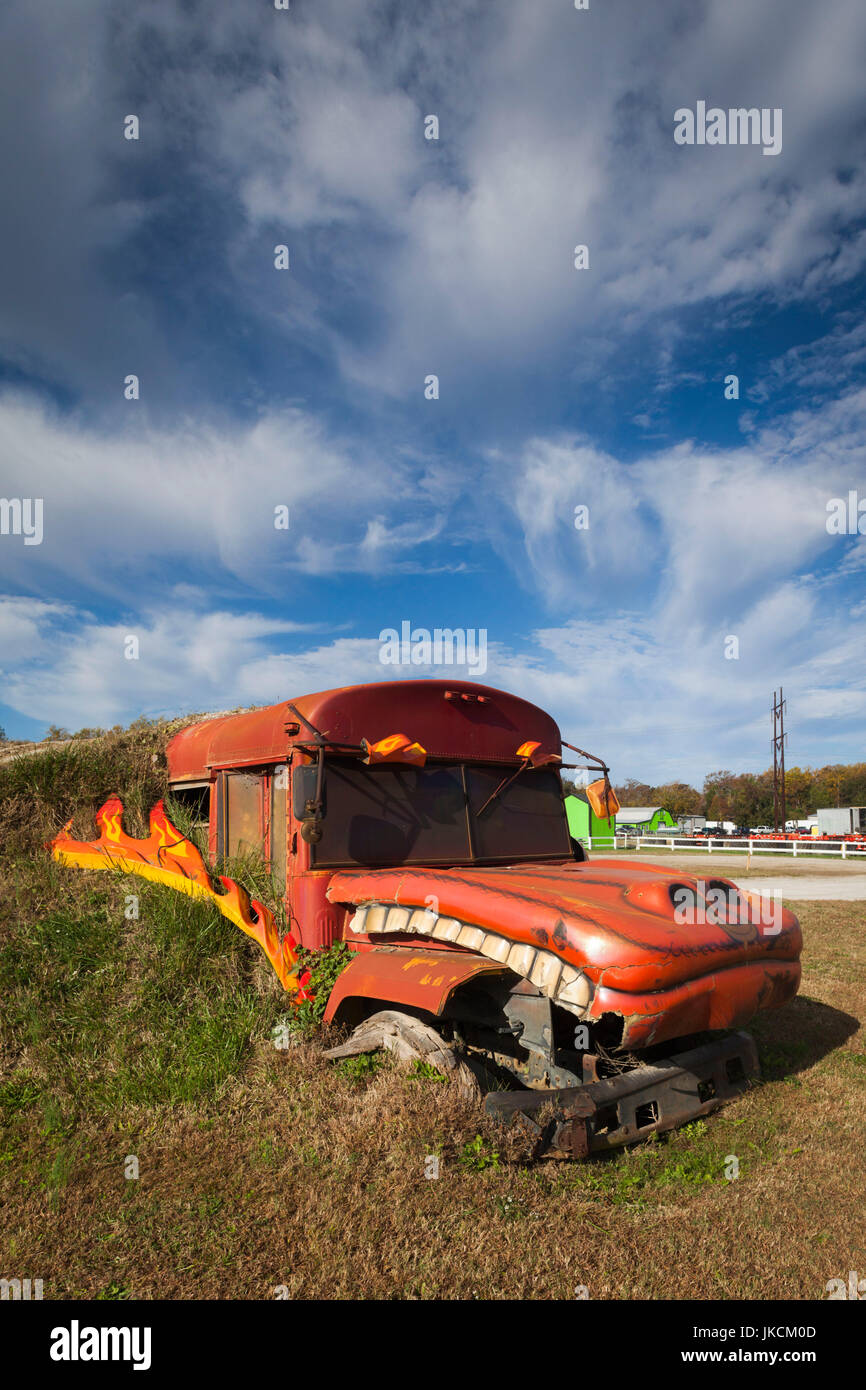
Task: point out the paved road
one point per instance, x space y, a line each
825 888
822 880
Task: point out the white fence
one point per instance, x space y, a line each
795 849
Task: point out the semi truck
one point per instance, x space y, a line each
423 823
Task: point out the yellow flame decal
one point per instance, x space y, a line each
168 857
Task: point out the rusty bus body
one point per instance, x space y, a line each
449 869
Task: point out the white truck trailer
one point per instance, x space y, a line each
842 820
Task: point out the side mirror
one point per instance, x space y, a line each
306 808
303 791
311 829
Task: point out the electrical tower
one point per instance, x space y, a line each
779 806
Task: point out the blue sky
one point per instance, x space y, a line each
409 257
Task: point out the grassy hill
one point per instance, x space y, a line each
149 1037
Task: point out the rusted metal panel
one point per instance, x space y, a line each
596 939
712 1002
445 727
405 975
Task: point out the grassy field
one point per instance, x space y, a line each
266 1172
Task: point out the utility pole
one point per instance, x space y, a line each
779 806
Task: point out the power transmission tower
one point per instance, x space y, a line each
779 806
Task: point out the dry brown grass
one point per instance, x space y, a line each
294 1174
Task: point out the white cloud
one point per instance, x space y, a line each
562 141
124 506
22 625
73 670
409 257
556 127
701 535
656 704
661 708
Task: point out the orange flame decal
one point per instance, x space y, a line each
167 856
526 750
396 748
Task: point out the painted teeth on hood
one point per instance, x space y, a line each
576 994
422 921
560 982
521 959
447 929
546 972
376 917
496 947
397 919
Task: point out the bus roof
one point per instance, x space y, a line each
457 720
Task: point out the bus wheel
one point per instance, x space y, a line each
410 1040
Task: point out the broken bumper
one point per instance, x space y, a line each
618 1110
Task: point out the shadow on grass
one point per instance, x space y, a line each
794 1038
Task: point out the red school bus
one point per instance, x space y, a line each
482 935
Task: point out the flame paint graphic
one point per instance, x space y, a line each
167 856
396 748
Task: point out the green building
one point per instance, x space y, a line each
583 822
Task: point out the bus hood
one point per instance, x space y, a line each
669 953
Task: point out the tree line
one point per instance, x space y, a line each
746 798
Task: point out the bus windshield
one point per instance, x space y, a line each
393 814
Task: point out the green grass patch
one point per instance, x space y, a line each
478 1156
363 1067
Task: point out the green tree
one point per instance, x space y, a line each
55 732
678 798
634 793
718 796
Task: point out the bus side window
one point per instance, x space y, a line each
195 799
244 813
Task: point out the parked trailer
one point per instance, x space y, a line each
482 936
842 820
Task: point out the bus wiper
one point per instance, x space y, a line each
525 751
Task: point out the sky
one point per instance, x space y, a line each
707 573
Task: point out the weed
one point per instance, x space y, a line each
509 1207
325 967
19 1093
424 1071
478 1156
363 1067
